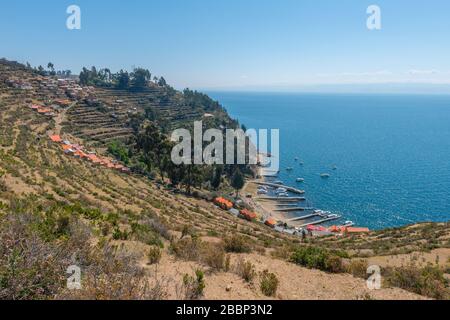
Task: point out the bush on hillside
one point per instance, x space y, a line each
268 283
193 287
236 244
246 270
154 255
358 268
428 281
317 258
213 255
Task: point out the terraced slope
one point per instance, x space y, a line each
111 116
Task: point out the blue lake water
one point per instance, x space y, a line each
392 152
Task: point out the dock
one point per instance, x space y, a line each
286 205
319 221
282 199
290 189
309 216
293 209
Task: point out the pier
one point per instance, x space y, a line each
309 216
293 209
282 199
274 185
319 221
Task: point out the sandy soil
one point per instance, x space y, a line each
295 283
440 256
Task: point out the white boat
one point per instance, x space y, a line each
279 182
283 195
281 190
300 180
325 175
289 168
262 191
322 212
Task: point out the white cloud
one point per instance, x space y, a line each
415 72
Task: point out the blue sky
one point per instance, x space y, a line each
237 43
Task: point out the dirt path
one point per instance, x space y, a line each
59 119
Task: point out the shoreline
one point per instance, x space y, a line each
266 209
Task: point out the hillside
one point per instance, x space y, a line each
134 238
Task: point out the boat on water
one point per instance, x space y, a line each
279 182
262 191
300 180
281 190
322 212
296 158
283 195
334 167
289 168
325 175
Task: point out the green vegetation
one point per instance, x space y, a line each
137 80
154 255
120 151
428 281
246 270
268 283
237 244
358 268
237 181
35 253
194 286
317 258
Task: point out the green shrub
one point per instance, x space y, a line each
186 249
236 244
194 287
119 235
358 268
428 281
146 234
333 264
154 255
213 255
317 258
246 270
268 283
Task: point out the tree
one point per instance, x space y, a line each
237 181
84 77
140 78
175 173
149 142
41 70
162 82
123 80
51 67
192 177
217 178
